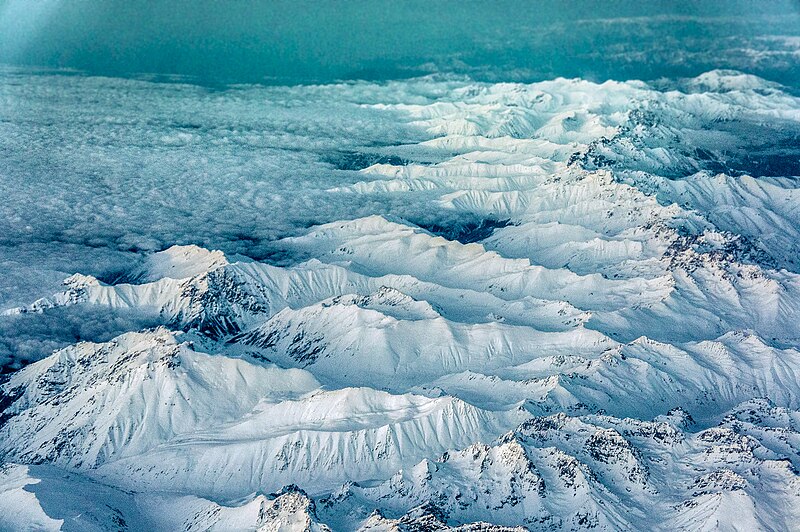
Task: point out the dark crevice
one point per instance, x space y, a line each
356 160
467 232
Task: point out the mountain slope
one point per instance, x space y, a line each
563 305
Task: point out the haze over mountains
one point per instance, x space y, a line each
443 302
290 42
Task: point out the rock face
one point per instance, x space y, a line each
607 336
600 472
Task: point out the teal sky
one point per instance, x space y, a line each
299 41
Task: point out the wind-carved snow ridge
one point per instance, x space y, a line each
580 309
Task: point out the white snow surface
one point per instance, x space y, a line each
556 306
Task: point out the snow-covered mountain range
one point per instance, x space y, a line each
589 318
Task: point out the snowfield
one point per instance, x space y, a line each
421 305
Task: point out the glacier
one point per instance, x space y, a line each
423 304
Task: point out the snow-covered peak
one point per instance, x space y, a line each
177 262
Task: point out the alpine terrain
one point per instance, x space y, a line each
437 303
